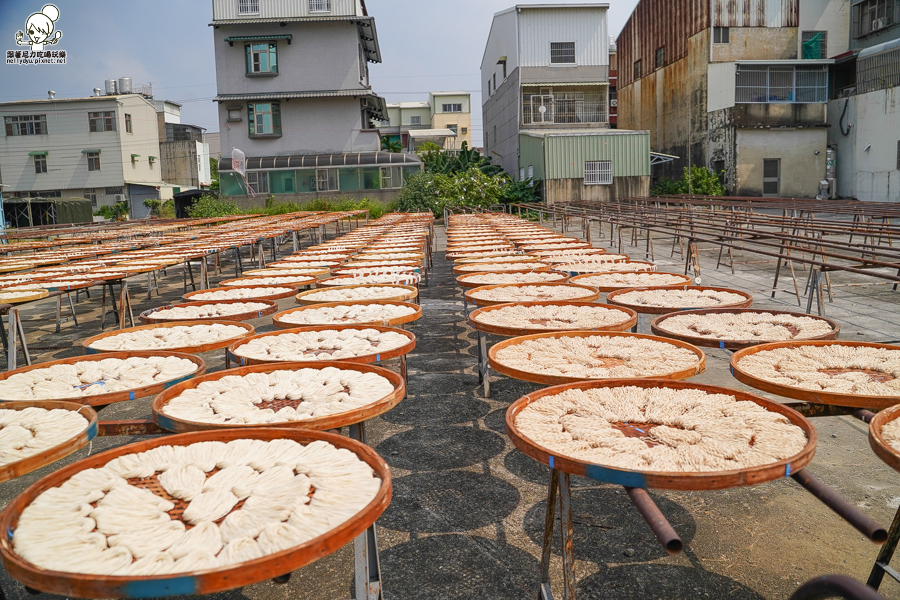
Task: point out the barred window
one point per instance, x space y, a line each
40 163
771 177
248 7
598 172
660 57
878 72
871 16
815 45
769 84
112 191
318 6
637 69
562 53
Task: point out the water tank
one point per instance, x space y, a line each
125 85
110 87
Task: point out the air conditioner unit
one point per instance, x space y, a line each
614 103
877 24
120 198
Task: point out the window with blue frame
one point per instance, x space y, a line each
262 58
264 118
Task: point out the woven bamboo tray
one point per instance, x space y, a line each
147 317
813 396
629 318
658 327
879 445
714 480
586 268
307 272
198 349
499 259
501 368
592 294
555 277
261 288
410 279
50 455
280 323
685 280
34 295
404 293
235 349
113 397
300 282
334 421
79 585
467 269
612 298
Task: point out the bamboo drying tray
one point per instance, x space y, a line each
248 281
198 349
715 480
590 297
281 324
629 319
463 280
262 289
122 395
201 582
50 455
147 317
38 294
657 327
334 421
879 445
612 298
404 293
605 289
501 368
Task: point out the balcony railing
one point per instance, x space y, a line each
549 107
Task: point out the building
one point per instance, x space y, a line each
294 96
613 85
864 114
102 147
738 86
184 154
453 111
546 77
446 120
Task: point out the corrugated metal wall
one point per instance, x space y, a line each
656 23
531 153
586 27
755 13
228 9
629 153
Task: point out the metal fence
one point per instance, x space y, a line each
552 106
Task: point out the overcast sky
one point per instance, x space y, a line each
427 45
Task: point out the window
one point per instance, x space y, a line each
128 123
873 15
562 53
465 130
452 108
258 181
718 167
102 121
234 113
637 70
26 125
503 62
660 57
327 180
248 7
93 159
815 45
495 82
264 118
319 6
415 120
262 58
771 176
721 35
363 65
453 128
40 163
598 172
489 87
91 194
530 172
391 177
781 83
522 174
113 191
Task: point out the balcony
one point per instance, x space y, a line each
260 10
564 106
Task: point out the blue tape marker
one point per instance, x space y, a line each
552 460
787 470
156 588
722 345
92 430
131 395
9 533
259 315
377 358
732 371
626 478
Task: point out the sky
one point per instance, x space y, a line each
426 45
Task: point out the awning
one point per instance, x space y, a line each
376 107
657 159
96 151
134 156
347 159
258 38
40 153
292 95
369 38
879 49
431 133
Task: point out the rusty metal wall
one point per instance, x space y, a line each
656 23
755 13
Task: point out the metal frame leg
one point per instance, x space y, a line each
568 550
16 334
484 367
815 290
367 566
882 562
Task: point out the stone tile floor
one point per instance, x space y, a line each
467 512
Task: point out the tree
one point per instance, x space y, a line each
214 171
437 160
695 181
210 206
154 205
432 192
389 145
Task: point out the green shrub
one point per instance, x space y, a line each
696 181
323 204
115 212
208 206
167 210
433 192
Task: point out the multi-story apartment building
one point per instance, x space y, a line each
739 86
545 77
101 147
446 120
453 111
294 96
865 112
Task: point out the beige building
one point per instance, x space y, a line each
446 120
453 111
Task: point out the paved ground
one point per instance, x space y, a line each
467 512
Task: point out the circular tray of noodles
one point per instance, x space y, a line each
10 468
292 458
884 436
17 297
323 415
90 345
269 307
619 280
736 328
393 293
856 374
618 442
569 356
254 292
282 321
491 295
480 279
667 299
551 316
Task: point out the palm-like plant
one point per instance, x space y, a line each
389 145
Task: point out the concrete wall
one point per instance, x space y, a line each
382 196
832 16
780 115
502 40
801 168
461 121
875 118
573 190
309 126
758 43
501 113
